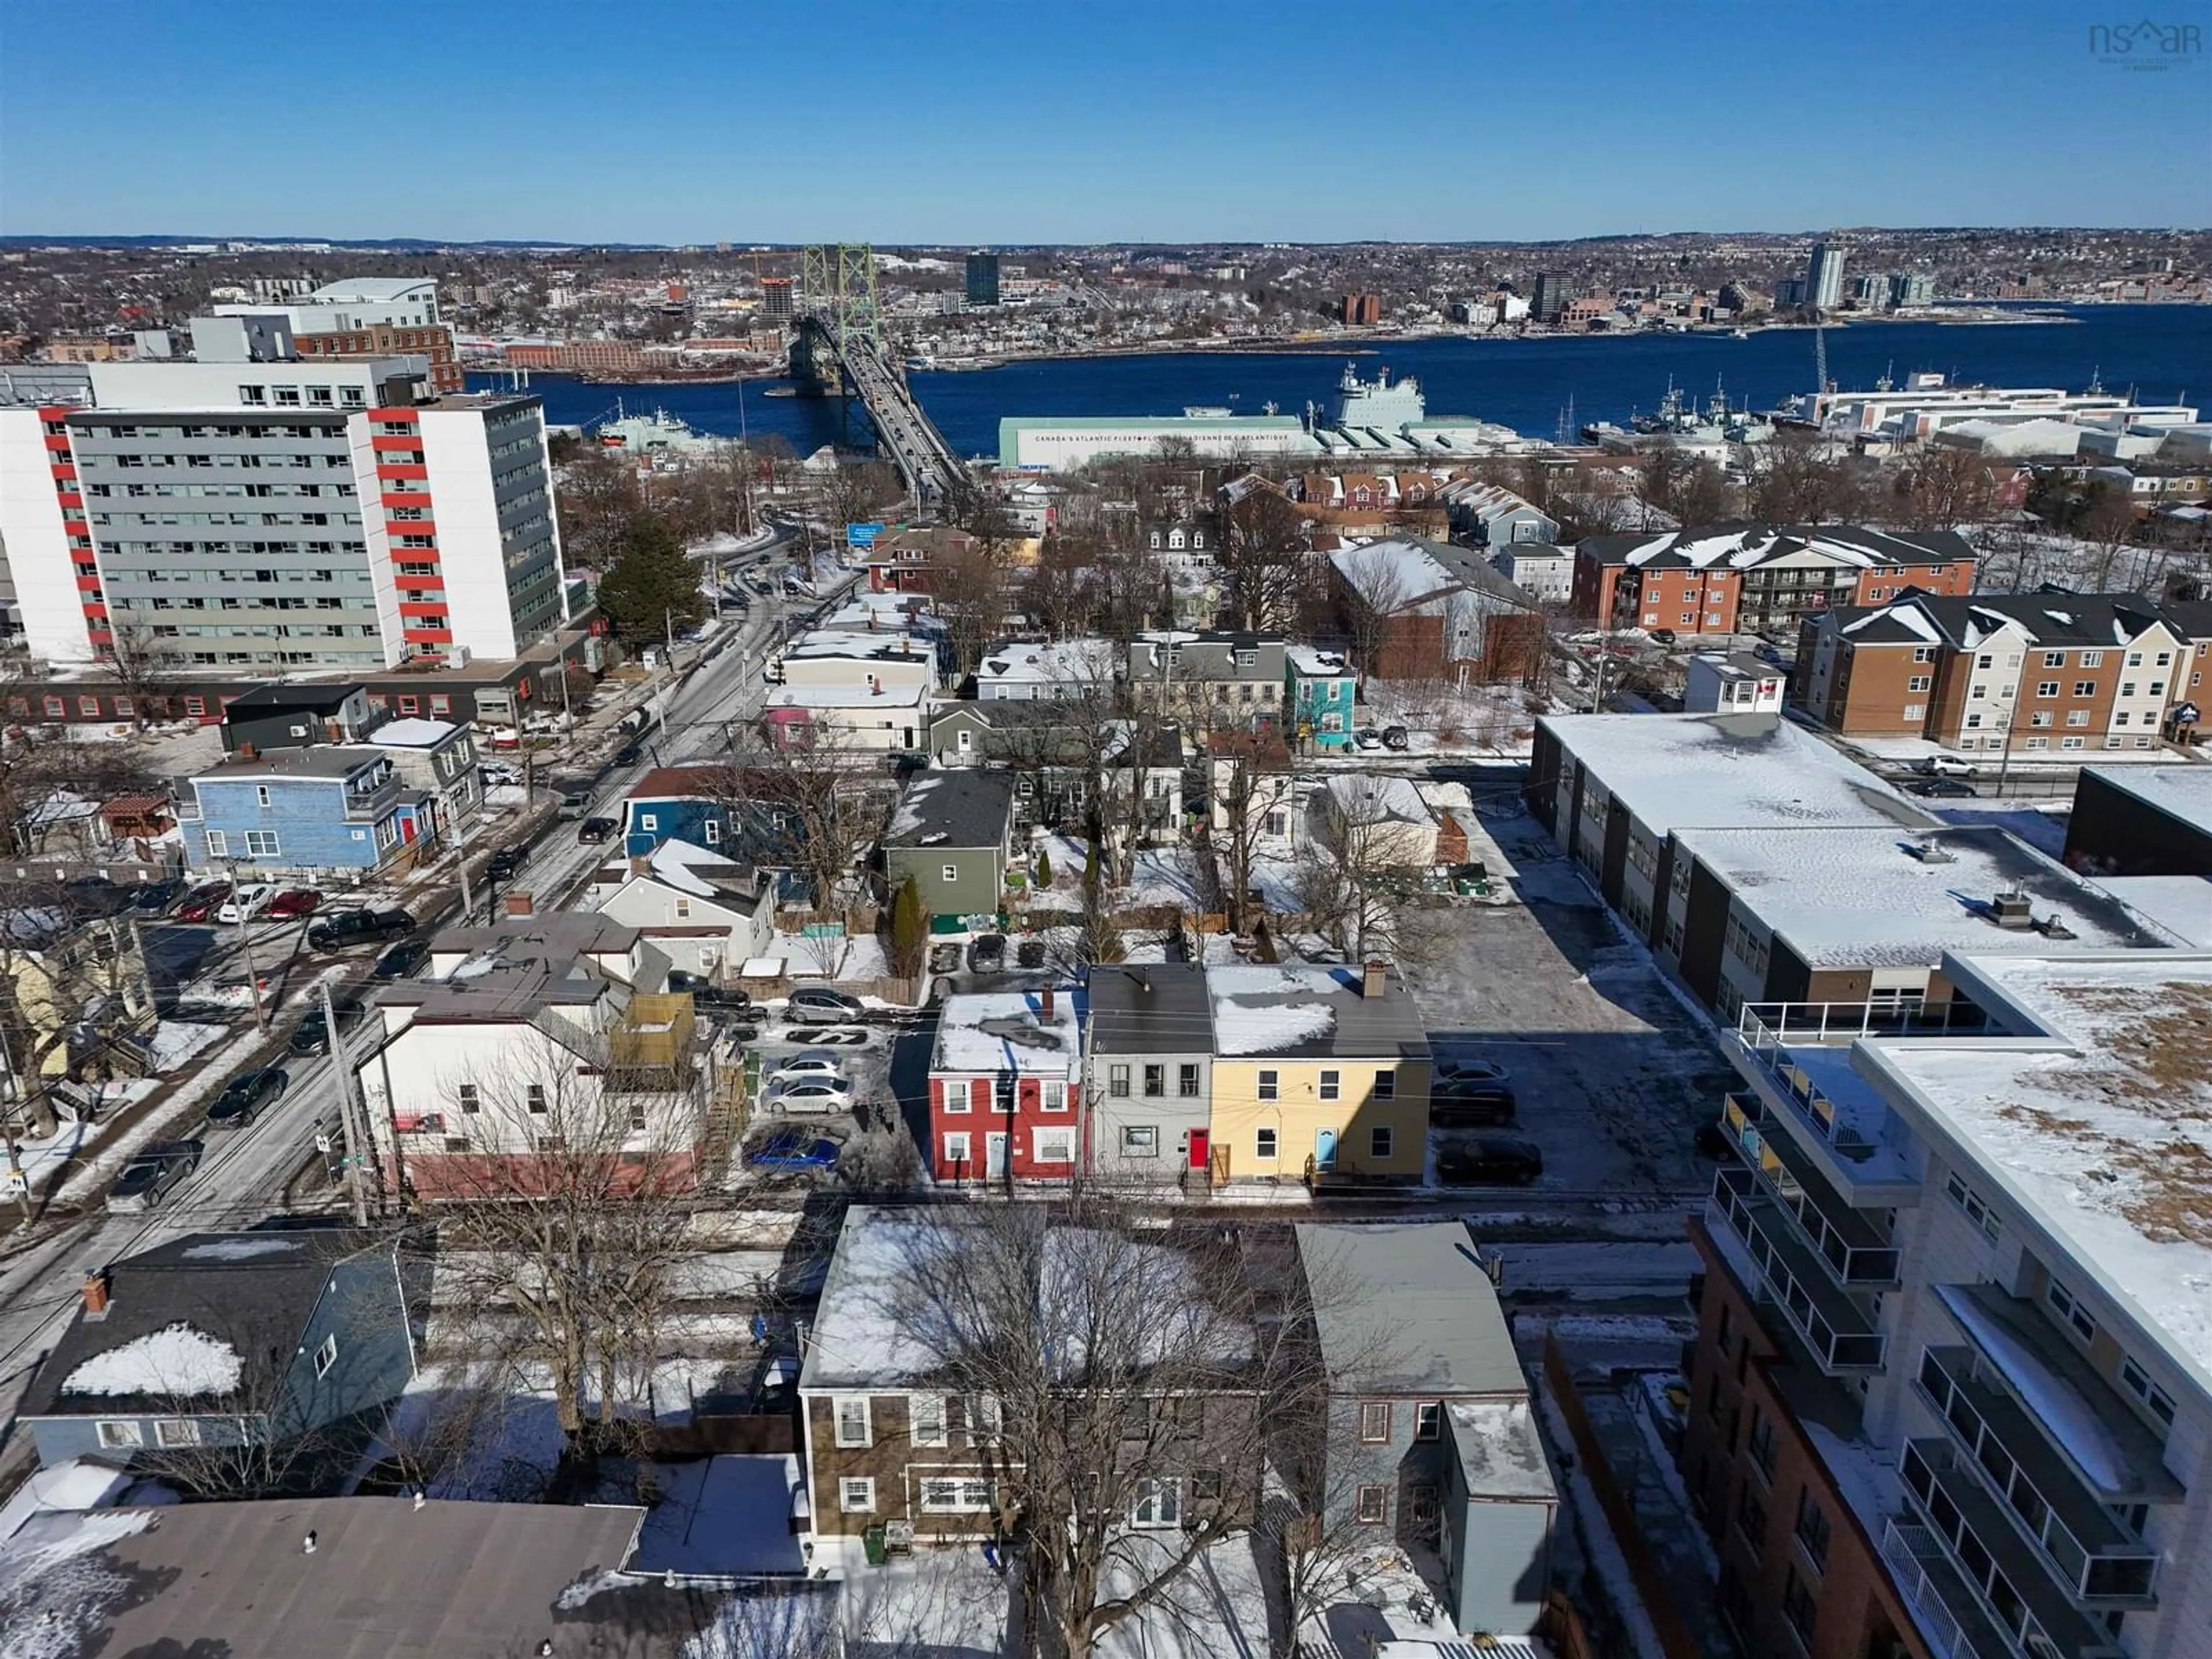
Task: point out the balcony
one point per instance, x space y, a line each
1818 1101
373 800
2007 1576
1857 1249
1842 1335
1803 1023
1950 1620
2099 1562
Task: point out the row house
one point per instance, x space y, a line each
1002 1086
2030 673
1758 578
335 807
1056 752
1210 680
1044 671
1321 688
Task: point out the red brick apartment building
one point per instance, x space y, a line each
2040 671
386 340
1756 578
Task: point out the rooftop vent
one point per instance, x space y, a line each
1930 851
2054 926
2009 910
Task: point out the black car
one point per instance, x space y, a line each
504 862
1396 737
628 755
705 993
245 1095
592 832
313 1037
149 1177
1941 788
1470 1106
342 927
1490 1161
154 897
988 955
1662 635
401 961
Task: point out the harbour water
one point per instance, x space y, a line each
2164 352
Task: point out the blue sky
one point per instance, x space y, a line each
910 120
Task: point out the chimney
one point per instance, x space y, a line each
2009 910
1044 1003
247 752
1374 981
96 1295
640 865
517 904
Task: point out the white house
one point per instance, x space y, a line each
1041 671
704 912
867 716
1733 683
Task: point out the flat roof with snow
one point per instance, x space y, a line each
1726 771
2182 793
1870 896
2096 1121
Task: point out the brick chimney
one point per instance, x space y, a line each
1374 981
517 904
247 752
1044 1003
640 865
96 1295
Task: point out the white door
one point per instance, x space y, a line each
964 741
995 1155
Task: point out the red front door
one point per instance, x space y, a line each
1198 1137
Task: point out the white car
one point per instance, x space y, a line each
246 901
813 1063
813 1094
1948 765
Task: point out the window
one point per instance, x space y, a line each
955 1149
856 1495
852 1417
1916 711
645 820
1813 1528
2046 688
2093 659
1263 1146
218 844
1799 1607
1385 1084
1117 1082
2135 659
118 1433
176 1431
1156 1082
944 1495
1187 1081
261 844
1055 1145
1140 1140
1158 1503
1760 1443
2041 717
1374 1420
1428 1419
468 1094
1271 1085
1205 1486
534 1097
984 1421
1331 1086
950 871
326 1356
927 1411
1924 653
1422 1498
2085 687
2071 1310
261 794
2138 1383
1052 1097
1379 1141
1751 1520
1371 1506
1977 1208
2071 743
2054 659
1919 683
2127 688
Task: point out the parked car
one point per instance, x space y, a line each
1947 766
149 1178
245 1095
1662 636
1470 1106
248 901
403 959
988 955
503 864
815 1094
1367 738
705 993
628 755
151 898
794 1149
1490 1161
295 901
1396 737
200 904
819 1004
811 1062
944 958
342 927
1464 1073
592 832
1940 789
312 1035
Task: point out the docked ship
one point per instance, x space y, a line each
1927 403
1678 420
657 434
1382 417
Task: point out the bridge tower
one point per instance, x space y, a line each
837 307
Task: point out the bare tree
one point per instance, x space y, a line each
140 664
816 808
1249 779
1374 598
598 499
1353 872
970 588
1270 565
1946 488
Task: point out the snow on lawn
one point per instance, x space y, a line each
718 1517
1387 1595
1216 1608
176 1041
57 1594
180 1360
468 1436
944 1601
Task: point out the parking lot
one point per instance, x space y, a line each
1611 1074
872 1145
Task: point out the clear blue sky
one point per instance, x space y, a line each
913 120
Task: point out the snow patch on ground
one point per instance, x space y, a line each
178 1360
56 1591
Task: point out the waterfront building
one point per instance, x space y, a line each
1911 287
1824 275
1553 294
1027 444
775 296
982 278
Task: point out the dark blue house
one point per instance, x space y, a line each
235 1350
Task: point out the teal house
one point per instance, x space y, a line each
1319 684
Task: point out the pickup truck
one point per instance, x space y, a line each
340 928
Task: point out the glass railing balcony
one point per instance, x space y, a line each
1832 1023
1951 1623
1842 1334
1853 1244
2100 1563
2006 1576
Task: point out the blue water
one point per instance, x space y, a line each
2162 351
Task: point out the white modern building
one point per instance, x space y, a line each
1062 445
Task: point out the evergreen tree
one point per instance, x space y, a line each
1044 869
909 930
653 587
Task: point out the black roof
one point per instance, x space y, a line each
2050 618
1159 1008
956 808
290 698
1672 549
252 1291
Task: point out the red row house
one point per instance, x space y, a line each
1002 1087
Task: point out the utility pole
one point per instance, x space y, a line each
355 1144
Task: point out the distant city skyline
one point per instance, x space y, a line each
996 124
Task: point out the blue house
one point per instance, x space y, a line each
186 1355
688 804
1321 688
331 807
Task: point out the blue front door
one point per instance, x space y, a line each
1324 1148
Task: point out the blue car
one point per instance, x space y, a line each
794 1149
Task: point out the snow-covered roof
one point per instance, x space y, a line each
2096 1122
1073 664
2180 904
1313 1012
1741 546
2181 791
1500 1454
686 867
1375 797
1877 897
178 1362
848 696
989 1032
1316 663
1731 771
412 733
